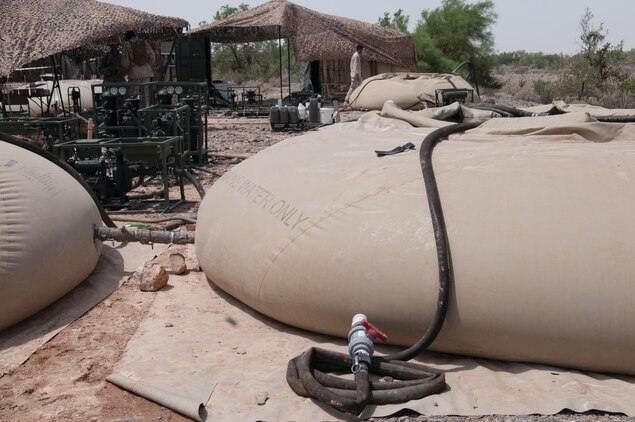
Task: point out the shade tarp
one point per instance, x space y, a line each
314 35
34 29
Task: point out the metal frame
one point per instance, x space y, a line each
156 149
243 95
180 121
200 91
98 89
19 125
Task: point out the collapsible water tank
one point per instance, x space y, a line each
46 233
540 229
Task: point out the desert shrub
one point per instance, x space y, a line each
570 88
595 75
532 60
628 85
545 90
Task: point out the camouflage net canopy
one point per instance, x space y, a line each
34 29
314 36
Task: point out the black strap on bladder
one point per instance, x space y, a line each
404 147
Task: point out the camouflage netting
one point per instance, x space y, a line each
33 29
314 36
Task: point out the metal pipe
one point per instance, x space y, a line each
155 220
280 55
143 236
56 84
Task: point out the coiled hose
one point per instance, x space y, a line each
306 374
63 165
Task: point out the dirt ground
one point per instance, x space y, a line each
65 379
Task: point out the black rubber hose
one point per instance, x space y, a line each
64 166
615 119
305 373
513 111
493 109
440 237
507 111
307 377
195 182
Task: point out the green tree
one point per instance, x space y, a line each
398 21
241 62
226 11
455 32
230 57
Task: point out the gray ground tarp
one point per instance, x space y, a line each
198 339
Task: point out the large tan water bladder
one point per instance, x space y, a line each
540 219
46 233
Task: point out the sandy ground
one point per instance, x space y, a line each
65 379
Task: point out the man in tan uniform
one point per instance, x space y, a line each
356 71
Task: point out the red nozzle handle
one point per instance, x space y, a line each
374 331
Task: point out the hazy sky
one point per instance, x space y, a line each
549 26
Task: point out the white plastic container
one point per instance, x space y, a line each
326 115
303 114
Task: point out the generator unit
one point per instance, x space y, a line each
193 59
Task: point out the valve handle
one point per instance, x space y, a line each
373 331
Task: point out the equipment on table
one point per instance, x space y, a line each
113 167
162 109
448 96
48 130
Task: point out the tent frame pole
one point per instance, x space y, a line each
289 64
280 55
56 86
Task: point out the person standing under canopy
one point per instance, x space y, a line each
138 59
159 67
111 67
356 71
